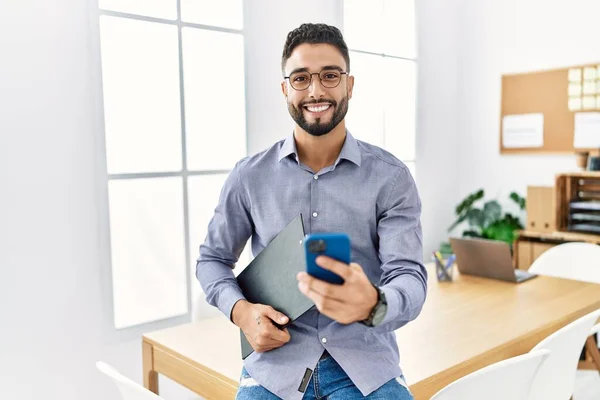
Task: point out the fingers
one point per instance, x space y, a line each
269 330
307 284
337 267
276 316
268 336
324 304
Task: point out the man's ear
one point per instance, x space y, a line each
284 89
350 85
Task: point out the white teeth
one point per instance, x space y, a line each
317 109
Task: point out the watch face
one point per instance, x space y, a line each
379 314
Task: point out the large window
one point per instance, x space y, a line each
381 38
174 123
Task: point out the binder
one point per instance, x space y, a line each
271 277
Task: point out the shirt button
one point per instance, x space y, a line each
316 177
315 214
324 340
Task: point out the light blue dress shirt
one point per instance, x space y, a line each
367 193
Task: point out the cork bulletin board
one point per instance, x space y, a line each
557 95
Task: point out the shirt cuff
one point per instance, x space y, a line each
393 304
230 297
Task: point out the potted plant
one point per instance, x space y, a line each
488 221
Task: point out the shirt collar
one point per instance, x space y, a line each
350 150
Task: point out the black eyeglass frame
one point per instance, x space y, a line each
320 79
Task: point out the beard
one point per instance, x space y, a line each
319 128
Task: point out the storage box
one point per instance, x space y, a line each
578 202
541 209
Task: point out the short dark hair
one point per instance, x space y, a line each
314 34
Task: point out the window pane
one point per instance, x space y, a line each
140 73
381 26
400 107
363 25
204 193
222 13
148 250
214 99
399 28
166 9
365 111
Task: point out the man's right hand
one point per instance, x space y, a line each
256 321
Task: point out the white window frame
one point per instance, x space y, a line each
103 178
397 57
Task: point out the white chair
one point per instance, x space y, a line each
507 379
556 378
576 261
129 389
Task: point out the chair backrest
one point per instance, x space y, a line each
129 389
577 261
556 377
507 379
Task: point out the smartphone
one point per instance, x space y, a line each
334 245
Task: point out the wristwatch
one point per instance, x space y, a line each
378 312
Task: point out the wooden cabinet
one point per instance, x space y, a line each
523 254
538 248
530 245
526 252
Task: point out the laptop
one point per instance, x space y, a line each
488 259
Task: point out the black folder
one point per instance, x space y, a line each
271 277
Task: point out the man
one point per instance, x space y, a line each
346 345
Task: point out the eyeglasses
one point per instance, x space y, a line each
330 78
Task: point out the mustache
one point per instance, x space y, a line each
309 102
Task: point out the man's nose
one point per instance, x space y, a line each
315 89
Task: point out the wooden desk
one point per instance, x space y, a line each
465 325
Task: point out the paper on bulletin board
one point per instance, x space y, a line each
589 87
523 130
589 102
589 73
575 75
575 89
575 104
587 130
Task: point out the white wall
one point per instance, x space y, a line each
507 36
52 307
437 117
53 295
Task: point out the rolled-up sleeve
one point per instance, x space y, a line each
403 278
228 232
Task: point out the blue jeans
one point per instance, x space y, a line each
329 381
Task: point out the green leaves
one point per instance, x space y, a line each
467 203
492 211
476 217
488 222
518 199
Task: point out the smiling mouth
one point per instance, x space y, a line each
317 108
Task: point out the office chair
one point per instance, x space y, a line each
580 262
507 379
129 389
556 378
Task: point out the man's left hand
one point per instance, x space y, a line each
346 303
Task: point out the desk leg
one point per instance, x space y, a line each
150 375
